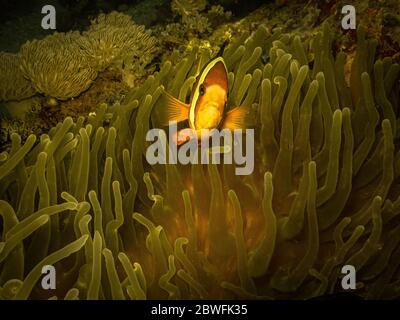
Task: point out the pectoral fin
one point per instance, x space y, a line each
237 118
174 110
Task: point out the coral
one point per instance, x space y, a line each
115 40
56 66
13 85
63 65
188 7
324 191
108 88
196 23
217 14
114 19
205 29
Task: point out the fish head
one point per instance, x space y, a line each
210 108
210 96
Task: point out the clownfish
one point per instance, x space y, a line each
207 108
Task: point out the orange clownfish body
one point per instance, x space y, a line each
208 102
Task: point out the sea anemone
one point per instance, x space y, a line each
323 194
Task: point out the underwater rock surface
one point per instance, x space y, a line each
324 192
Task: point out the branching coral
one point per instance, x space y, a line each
323 193
13 85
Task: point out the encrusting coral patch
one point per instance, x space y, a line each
323 194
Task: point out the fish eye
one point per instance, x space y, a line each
202 90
